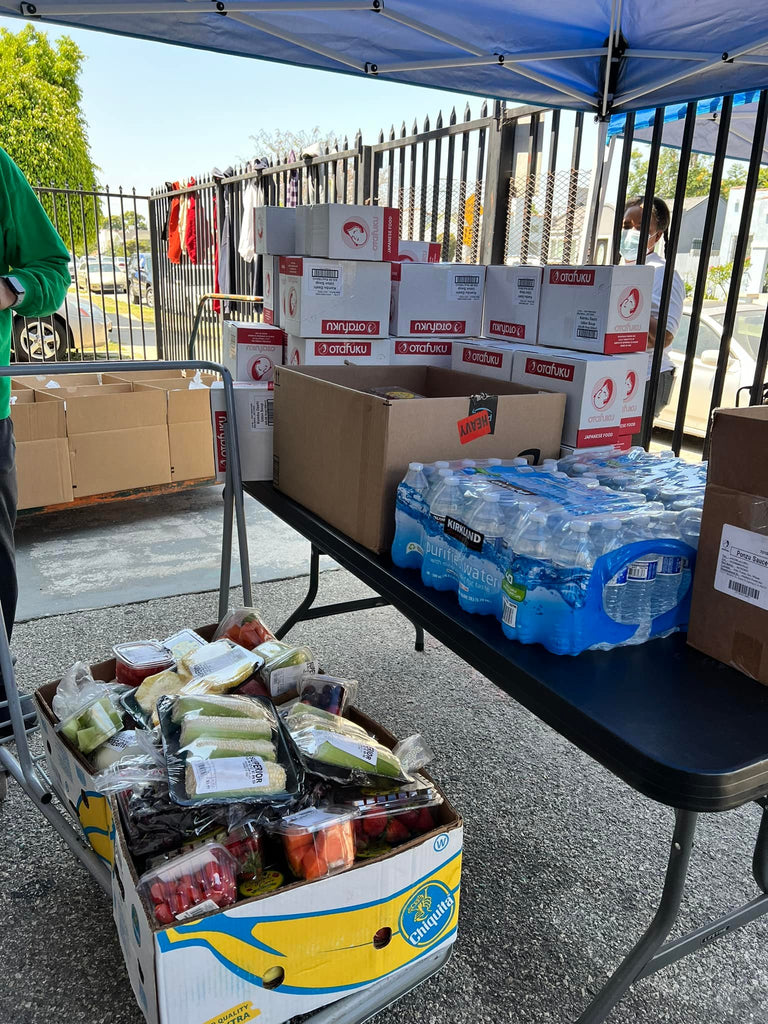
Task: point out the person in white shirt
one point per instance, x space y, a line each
630 242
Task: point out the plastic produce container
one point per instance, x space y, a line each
387 819
329 693
192 884
284 666
246 627
92 724
135 661
246 844
318 841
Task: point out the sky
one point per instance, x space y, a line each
157 112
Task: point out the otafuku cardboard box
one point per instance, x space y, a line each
271 288
511 309
488 358
729 609
634 392
254 411
303 230
274 230
43 472
250 351
336 352
418 252
334 298
436 298
432 351
343 232
189 428
596 309
341 451
210 969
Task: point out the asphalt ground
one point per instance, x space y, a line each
562 870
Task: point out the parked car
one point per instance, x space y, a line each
741 363
102 275
75 326
140 288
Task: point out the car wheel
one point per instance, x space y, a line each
149 296
45 340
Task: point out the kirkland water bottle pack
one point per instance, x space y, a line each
585 552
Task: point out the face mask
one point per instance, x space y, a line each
630 244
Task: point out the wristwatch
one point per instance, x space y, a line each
17 288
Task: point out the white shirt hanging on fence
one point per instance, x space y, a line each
253 197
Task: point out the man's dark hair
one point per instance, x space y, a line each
660 213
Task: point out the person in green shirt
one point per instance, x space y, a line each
34 279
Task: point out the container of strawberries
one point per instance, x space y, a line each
387 818
318 841
192 884
246 845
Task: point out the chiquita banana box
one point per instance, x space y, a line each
297 949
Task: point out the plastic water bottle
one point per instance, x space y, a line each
431 468
669 568
480 568
436 482
534 541
607 540
641 576
438 568
407 549
689 525
572 551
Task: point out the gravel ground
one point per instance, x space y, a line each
563 863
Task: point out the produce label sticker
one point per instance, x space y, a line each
742 566
311 818
464 286
197 910
218 664
359 750
228 773
281 680
326 281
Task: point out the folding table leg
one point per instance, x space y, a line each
306 604
633 964
760 857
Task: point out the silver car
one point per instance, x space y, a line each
76 326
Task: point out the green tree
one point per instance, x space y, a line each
699 175
132 222
42 127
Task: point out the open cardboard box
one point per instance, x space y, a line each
42 454
190 435
341 451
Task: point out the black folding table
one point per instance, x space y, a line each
675 725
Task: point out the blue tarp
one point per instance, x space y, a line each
553 53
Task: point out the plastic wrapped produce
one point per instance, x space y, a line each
329 693
136 660
218 667
192 884
246 627
154 823
341 750
123 744
318 841
284 666
387 818
92 724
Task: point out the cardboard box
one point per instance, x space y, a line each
634 392
118 438
594 387
511 308
729 610
488 358
418 252
341 452
624 442
271 291
251 351
436 298
422 352
254 413
43 473
568 449
330 352
343 232
145 375
46 382
596 309
190 440
303 230
334 298
209 970
274 230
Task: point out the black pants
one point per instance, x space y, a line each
8 494
664 390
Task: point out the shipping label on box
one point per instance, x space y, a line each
488 359
343 232
334 298
274 230
436 298
271 275
422 351
511 310
417 252
251 351
596 309
254 413
327 352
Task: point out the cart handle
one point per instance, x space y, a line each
213 297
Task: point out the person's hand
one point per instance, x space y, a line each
7 295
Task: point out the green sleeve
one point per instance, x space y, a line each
34 253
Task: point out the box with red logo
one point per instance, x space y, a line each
252 351
337 351
303 230
596 309
271 290
334 298
489 358
417 252
634 392
422 352
343 232
436 298
254 412
594 387
274 230
511 310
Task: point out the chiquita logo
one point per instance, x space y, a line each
342 348
482 357
426 914
546 368
355 233
575 275
423 348
630 385
630 303
604 393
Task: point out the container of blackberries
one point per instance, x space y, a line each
329 693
